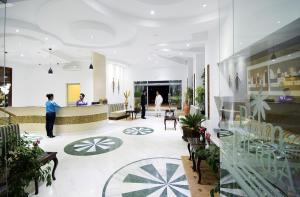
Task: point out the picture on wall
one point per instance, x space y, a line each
285 75
258 78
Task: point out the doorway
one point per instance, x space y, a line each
163 90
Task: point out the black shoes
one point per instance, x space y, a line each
143 118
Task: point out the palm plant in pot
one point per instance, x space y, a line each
191 124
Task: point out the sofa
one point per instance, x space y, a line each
116 111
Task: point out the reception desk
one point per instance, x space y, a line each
67 118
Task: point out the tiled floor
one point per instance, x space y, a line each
123 166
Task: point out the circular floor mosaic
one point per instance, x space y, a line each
148 177
138 131
93 146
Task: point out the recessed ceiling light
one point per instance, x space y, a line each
17 30
162 44
165 50
188 44
204 5
92 36
46 38
278 22
152 12
22 55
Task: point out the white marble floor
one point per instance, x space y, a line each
86 175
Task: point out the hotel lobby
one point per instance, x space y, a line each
158 98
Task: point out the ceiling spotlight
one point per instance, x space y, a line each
22 55
188 44
165 50
91 67
204 5
92 37
152 12
17 30
46 38
278 22
50 71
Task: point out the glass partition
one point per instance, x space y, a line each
259 99
3 100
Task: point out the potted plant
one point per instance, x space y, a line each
126 95
23 166
200 99
191 125
186 107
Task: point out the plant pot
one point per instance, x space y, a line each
186 109
189 133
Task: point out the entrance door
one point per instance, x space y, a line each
163 90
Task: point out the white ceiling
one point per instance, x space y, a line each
135 32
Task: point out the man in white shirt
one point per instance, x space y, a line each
158 102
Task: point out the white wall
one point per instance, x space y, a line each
211 58
121 73
31 83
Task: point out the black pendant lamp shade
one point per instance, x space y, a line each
91 67
50 71
273 56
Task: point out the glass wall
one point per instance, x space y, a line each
259 98
3 99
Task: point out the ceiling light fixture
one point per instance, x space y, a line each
50 71
188 44
92 37
46 38
91 67
273 57
22 55
278 22
17 30
152 12
165 50
204 5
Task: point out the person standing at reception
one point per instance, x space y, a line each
158 102
51 108
81 101
143 104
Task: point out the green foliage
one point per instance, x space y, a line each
137 93
211 155
200 95
23 166
193 121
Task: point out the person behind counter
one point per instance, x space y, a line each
81 101
51 108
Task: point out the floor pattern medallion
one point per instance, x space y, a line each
93 146
138 131
153 177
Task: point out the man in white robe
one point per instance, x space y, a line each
158 102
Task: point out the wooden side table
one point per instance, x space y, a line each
170 116
44 159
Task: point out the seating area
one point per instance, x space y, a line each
116 111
